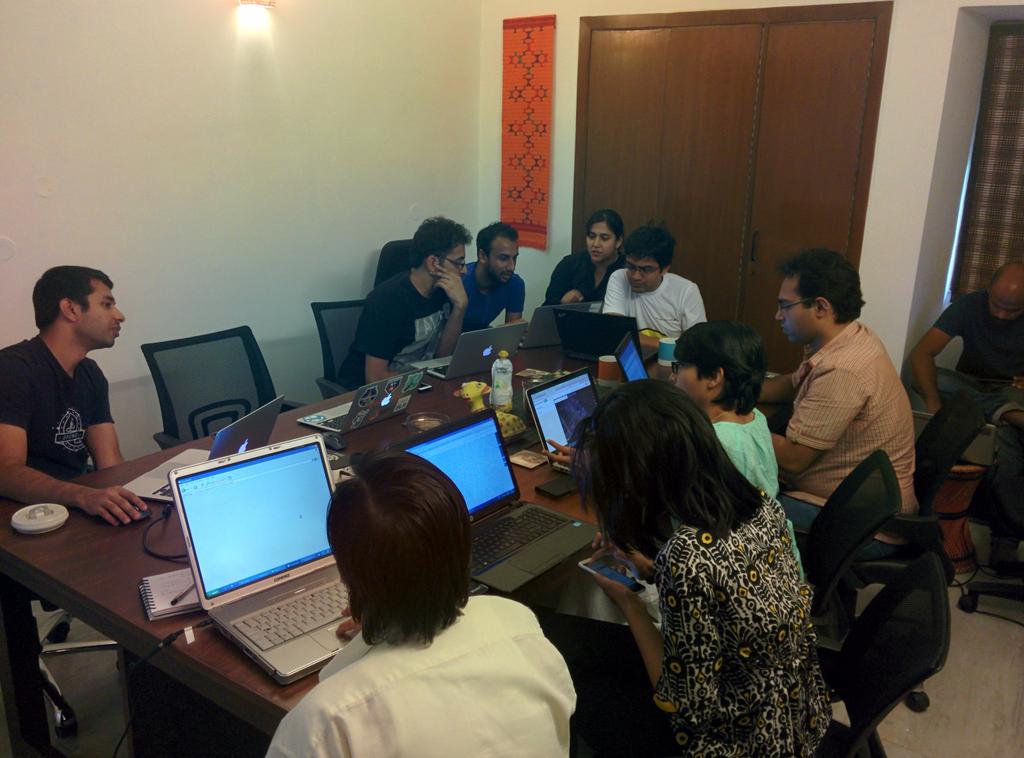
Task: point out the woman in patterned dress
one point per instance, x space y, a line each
734 664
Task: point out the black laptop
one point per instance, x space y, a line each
587 336
513 541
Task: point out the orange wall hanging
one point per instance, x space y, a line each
527 78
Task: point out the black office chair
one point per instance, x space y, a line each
865 500
1008 522
394 257
206 382
939 446
900 640
336 324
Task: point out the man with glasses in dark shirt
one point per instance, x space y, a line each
417 314
54 401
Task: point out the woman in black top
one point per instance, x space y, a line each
583 276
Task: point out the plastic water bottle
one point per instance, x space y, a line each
501 382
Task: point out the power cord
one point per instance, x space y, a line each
164 516
165 642
987 570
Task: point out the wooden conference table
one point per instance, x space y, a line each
208 691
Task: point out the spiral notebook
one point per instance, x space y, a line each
159 590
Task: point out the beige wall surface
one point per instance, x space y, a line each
224 174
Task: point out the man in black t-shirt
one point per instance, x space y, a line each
414 315
991 369
54 401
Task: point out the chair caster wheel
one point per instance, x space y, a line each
66 725
968 602
918 702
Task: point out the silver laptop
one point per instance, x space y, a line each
559 405
252 430
476 351
371 403
513 541
543 332
254 527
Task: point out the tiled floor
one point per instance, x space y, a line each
977 700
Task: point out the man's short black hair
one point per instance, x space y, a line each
733 347
825 273
436 236
491 232
400 535
59 282
651 242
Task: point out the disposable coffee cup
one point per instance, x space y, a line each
608 372
666 351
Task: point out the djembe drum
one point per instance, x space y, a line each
951 504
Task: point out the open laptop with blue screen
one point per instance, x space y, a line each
256 536
630 360
513 541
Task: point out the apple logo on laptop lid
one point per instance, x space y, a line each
488 350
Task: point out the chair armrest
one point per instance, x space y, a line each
165 440
329 388
922 534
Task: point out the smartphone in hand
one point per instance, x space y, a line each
609 567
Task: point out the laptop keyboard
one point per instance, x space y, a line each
293 618
494 540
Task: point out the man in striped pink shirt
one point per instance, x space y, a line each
847 398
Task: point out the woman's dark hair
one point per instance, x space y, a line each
610 217
827 274
733 347
400 535
59 282
647 451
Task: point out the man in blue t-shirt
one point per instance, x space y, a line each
491 283
991 369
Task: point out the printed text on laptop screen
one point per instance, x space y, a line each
257 518
473 458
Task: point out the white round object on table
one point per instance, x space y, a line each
39 518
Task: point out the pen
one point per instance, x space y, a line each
177 598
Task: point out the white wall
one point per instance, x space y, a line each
223 175
903 230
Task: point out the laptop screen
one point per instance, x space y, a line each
630 361
560 405
256 518
473 457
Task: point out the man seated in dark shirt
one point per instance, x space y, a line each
990 369
414 315
54 401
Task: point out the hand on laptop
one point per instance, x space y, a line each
572 296
348 628
562 454
115 505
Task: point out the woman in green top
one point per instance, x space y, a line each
721 365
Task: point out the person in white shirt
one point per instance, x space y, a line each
428 672
664 304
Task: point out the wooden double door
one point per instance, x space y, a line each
749 134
